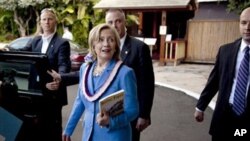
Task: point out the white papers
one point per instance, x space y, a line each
169 37
163 30
140 38
150 41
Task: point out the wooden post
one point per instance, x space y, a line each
163 38
140 20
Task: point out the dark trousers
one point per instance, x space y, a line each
135 132
233 127
46 125
219 138
53 124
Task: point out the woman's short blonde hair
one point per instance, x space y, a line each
94 36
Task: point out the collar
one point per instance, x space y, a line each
243 45
48 38
122 40
109 66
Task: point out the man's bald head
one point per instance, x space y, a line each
245 25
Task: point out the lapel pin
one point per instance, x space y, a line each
126 52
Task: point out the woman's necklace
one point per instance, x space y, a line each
98 71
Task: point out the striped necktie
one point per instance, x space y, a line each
241 85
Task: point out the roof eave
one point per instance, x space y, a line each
138 7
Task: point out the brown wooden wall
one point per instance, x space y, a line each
204 37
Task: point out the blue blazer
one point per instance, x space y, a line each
119 126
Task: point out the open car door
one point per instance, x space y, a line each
23 77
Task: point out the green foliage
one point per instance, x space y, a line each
79 15
7 26
132 19
80 33
2 38
237 5
14 4
81 11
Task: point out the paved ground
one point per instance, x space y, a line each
172 118
188 78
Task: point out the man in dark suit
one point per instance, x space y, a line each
228 119
136 54
49 124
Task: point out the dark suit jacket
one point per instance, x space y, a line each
71 78
136 54
59 60
221 81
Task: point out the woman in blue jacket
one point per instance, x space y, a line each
100 78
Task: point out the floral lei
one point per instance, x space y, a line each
104 87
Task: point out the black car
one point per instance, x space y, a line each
77 53
21 98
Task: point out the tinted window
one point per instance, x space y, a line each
20 42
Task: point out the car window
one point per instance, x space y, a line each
19 43
21 70
28 71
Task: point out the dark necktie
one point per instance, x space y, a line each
241 84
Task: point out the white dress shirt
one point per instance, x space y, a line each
122 40
46 41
